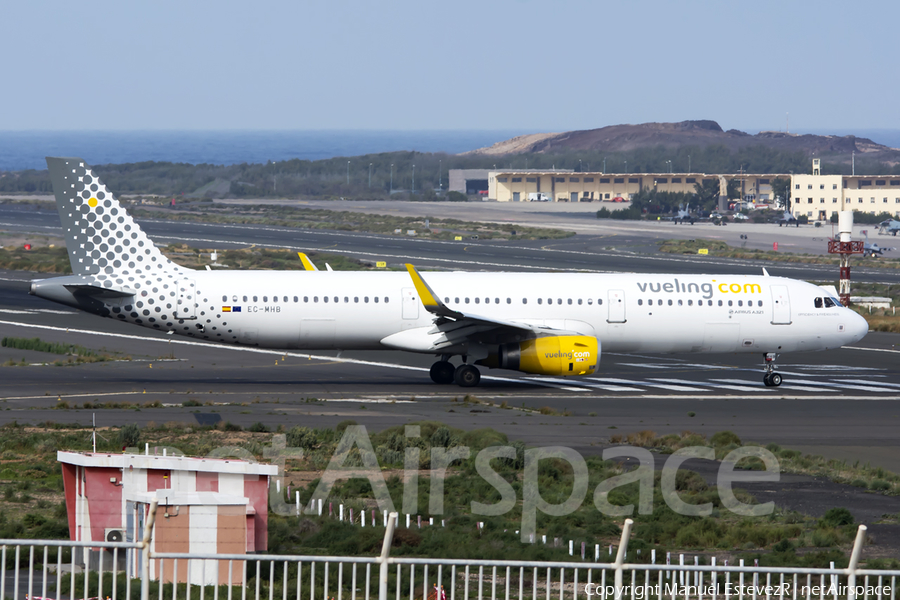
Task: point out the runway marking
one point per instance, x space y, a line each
591 384
355 361
35 311
873 383
674 388
650 366
738 388
746 385
11 279
872 349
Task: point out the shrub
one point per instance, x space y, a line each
441 437
301 437
836 517
130 435
880 485
343 425
724 438
259 427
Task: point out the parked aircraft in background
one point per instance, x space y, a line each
891 226
543 324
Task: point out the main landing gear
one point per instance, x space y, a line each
771 378
443 372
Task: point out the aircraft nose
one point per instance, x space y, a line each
858 327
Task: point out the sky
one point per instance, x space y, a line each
530 65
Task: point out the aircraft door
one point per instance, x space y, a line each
410 303
616 301
187 305
781 305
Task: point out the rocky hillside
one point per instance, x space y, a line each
624 138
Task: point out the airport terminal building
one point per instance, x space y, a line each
815 196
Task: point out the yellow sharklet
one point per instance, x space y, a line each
307 264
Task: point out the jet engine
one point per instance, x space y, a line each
553 355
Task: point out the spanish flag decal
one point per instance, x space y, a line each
226 309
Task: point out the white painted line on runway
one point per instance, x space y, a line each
871 349
354 361
11 311
11 279
745 385
649 366
594 383
674 388
739 388
873 383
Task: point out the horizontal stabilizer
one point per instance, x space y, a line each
98 291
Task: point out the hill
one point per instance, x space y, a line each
627 138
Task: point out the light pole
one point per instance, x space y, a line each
392 180
348 172
580 166
440 176
370 175
604 165
689 163
670 165
274 178
626 166
414 180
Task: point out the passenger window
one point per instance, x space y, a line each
730 303
336 298
524 300
477 300
224 298
346 299
599 301
265 298
467 300
324 298
670 303
366 300
818 303
680 302
245 298
255 298
759 302
315 298
234 298
375 299
590 301
579 302
386 299
720 302
487 300
570 301
540 300
740 302
690 302
286 298
710 302
456 300
549 300
640 302
274 298
446 300
496 300
559 300
296 299
356 299
509 300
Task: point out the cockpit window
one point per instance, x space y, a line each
818 303
829 303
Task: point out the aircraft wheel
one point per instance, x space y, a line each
767 379
466 376
775 379
442 372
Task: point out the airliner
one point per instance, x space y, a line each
551 324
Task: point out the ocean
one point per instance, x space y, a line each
27 149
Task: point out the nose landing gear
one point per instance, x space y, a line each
771 378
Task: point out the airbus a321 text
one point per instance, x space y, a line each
545 324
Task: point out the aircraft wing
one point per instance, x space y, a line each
457 326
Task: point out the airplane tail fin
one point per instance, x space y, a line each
101 237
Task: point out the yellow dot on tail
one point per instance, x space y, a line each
92 202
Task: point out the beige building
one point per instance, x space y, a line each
820 196
558 186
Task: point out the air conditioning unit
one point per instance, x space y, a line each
115 535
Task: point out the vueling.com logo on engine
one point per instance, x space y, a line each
570 355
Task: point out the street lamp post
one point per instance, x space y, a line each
414 180
440 176
626 166
370 175
689 163
392 179
348 172
604 165
580 166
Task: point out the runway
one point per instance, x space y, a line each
845 403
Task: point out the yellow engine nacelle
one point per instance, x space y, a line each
556 355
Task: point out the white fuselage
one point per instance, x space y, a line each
627 312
